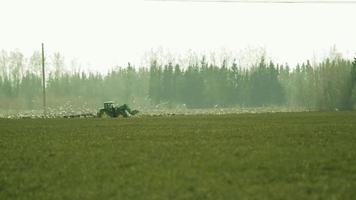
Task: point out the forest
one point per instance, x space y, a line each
328 85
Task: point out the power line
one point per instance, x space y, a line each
266 1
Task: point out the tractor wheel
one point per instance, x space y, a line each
103 114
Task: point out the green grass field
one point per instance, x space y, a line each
247 156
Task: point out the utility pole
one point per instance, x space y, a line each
44 83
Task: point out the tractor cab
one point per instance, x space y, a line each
109 105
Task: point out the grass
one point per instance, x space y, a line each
247 156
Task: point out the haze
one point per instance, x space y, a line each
103 34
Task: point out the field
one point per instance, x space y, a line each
245 156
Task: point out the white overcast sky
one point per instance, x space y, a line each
105 33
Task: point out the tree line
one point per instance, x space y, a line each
328 85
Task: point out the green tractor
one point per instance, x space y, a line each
111 110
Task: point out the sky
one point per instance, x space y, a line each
101 34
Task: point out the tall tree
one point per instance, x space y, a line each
58 64
155 82
353 84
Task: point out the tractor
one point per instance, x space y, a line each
111 110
